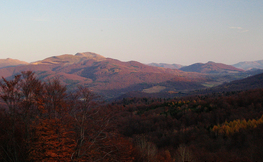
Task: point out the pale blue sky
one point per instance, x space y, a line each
161 31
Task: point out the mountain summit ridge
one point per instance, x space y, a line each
90 55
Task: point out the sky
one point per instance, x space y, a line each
160 31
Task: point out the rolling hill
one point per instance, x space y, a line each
251 82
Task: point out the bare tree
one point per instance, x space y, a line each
91 127
147 149
183 154
55 96
10 93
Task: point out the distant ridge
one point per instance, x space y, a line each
164 65
11 62
248 65
211 67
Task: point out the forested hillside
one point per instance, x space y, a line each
43 121
218 127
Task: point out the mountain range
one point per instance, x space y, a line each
106 76
112 78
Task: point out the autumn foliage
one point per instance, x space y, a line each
229 128
43 121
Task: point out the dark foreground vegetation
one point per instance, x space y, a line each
42 121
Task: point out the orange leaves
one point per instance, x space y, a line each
229 128
51 141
